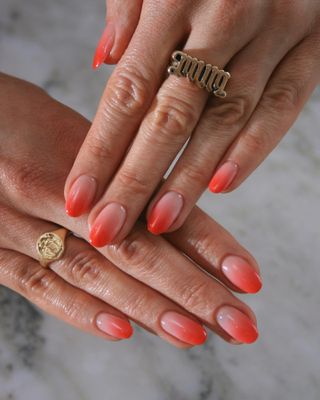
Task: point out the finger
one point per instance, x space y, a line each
55 296
124 102
287 92
169 122
219 125
85 269
121 21
209 245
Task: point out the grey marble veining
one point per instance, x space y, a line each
275 214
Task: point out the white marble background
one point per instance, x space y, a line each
275 214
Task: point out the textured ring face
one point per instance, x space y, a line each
50 247
205 76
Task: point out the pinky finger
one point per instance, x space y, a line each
288 90
53 295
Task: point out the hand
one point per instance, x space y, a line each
146 279
271 49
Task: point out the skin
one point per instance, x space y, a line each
140 279
144 117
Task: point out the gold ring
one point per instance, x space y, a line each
51 246
205 76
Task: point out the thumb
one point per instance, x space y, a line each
121 21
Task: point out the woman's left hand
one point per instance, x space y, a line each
272 50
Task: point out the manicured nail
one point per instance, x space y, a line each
223 178
241 274
183 328
104 46
237 324
81 196
114 326
107 224
165 212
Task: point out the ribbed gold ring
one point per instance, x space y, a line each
205 76
51 246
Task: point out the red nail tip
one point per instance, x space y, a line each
81 196
239 272
104 46
224 176
237 324
107 225
114 326
183 328
165 212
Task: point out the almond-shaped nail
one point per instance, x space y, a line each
183 328
104 46
243 275
165 212
237 324
107 224
81 196
224 176
114 326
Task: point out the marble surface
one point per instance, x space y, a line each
275 214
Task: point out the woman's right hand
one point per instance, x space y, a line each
146 279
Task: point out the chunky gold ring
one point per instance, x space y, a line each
51 245
205 76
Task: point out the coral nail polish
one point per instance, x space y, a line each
107 224
243 275
81 196
104 46
223 178
183 328
237 324
165 212
114 326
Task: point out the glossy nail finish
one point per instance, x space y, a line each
104 46
183 328
239 272
237 324
81 196
114 326
223 178
165 212
107 224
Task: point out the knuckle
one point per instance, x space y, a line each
99 147
36 281
84 268
256 142
284 96
133 181
230 113
128 92
196 295
193 174
172 119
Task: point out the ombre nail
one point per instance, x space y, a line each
243 275
223 178
104 46
165 212
183 328
114 326
107 224
81 196
237 324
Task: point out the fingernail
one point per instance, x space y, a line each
183 328
237 324
107 224
223 178
165 212
104 46
243 275
114 326
81 196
